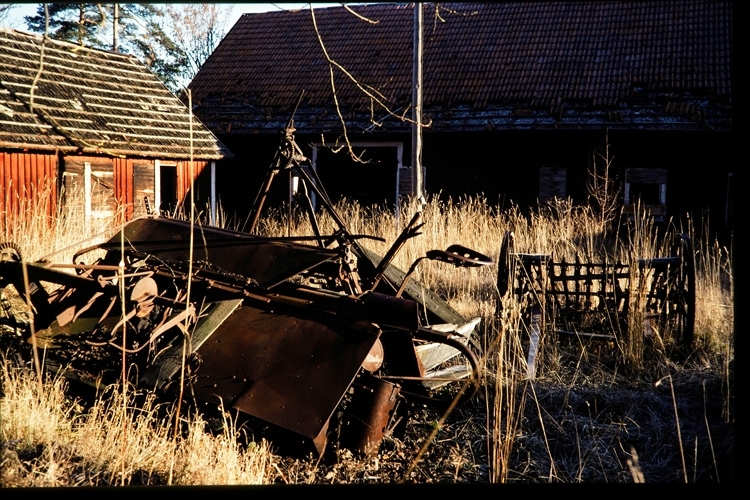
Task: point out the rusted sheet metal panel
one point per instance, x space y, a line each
266 262
284 369
159 375
370 414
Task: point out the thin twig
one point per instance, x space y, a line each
708 431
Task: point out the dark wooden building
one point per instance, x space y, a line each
518 98
97 128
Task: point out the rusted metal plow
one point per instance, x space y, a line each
602 299
316 335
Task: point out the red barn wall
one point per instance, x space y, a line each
27 178
32 178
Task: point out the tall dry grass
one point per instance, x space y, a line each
42 230
568 232
49 439
560 228
119 443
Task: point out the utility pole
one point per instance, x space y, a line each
416 98
115 27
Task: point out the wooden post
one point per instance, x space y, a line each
416 141
534 333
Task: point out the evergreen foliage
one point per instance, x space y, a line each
139 33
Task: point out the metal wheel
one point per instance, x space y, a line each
450 383
10 251
683 296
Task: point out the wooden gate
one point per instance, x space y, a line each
601 299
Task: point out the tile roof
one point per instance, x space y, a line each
60 96
492 58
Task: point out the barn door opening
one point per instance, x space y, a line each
143 188
374 181
166 188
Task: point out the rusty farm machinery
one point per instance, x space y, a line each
315 336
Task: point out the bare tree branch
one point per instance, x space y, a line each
375 96
5 9
358 15
197 29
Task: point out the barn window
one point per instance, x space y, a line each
646 188
372 182
89 188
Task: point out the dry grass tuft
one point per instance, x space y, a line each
49 439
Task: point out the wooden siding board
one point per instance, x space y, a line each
5 178
183 176
51 173
3 174
17 173
39 173
28 173
24 178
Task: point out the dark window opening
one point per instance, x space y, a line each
646 188
647 194
370 183
552 183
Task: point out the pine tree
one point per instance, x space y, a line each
80 23
139 33
142 33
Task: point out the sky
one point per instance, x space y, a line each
15 18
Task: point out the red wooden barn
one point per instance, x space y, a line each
97 129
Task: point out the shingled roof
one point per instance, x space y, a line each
543 64
60 96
